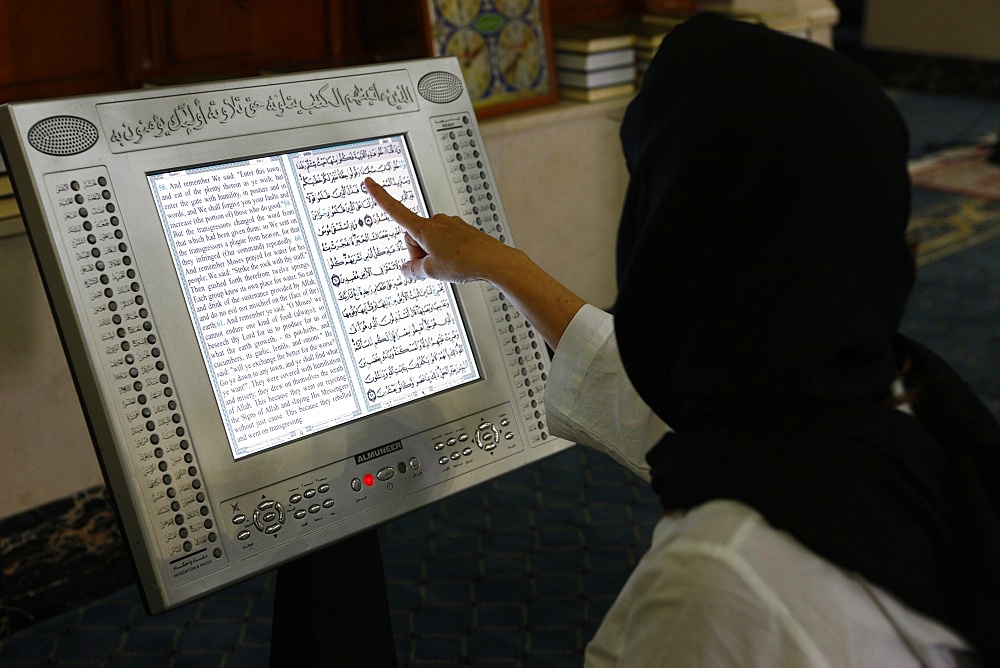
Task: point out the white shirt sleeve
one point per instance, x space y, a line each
589 399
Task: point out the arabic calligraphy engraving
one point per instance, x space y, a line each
188 114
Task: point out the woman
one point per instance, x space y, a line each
810 517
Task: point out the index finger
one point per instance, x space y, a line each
398 211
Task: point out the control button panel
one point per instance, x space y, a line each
112 301
475 193
365 482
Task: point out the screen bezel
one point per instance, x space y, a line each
423 208
228 477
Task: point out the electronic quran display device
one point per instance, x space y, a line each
259 378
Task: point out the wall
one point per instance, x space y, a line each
966 29
561 175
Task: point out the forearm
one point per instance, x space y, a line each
546 303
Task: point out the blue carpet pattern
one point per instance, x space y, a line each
520 571
517 572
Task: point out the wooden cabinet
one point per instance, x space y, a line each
53 48
182 40
573 11
69 47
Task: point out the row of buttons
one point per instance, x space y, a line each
94 229
487 437
313 508
451 442
268 516
531 372
385 473
455 456
468 175
309 494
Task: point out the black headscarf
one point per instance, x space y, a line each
763 271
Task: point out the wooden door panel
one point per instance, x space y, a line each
181 40
198 31
57 47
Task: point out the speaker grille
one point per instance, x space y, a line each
440 87
62 135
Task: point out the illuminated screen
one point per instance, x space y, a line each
290 273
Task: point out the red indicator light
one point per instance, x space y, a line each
369 480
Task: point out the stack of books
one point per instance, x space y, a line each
10 214
648 35
667 21
809 19
595 61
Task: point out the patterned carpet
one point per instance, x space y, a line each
517 572
955 306
953 225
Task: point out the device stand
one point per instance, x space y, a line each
331 607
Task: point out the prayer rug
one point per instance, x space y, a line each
952 225
965 171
